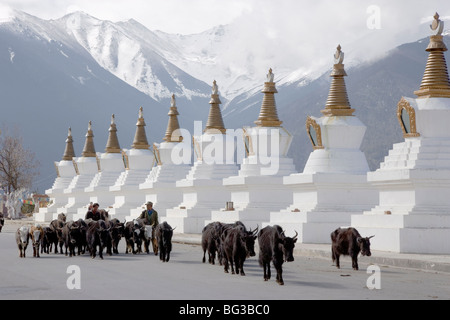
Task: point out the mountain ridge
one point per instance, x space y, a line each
65 72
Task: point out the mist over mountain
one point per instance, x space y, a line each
56 74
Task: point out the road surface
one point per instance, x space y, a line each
185 277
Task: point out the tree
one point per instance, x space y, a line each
18 166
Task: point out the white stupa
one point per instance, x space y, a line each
86 167
258 188
203 188
160 185
139 161
65 172
333 184
413 213
111 166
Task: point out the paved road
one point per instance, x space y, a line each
186 278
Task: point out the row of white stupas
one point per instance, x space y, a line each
405 203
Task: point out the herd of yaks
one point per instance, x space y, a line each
232 243
77 237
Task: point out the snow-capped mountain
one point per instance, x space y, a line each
133 54
160 64
66 72
225 53
48 83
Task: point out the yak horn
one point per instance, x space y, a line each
174 228
296 234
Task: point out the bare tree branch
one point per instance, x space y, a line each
18 166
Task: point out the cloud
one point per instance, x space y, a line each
73 8
299 35
6 13
172 16
283 34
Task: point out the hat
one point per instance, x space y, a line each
149 203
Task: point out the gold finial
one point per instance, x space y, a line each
89 149
337 103
173 124
268 115
112 145
69 152
215 120
140 137
435 81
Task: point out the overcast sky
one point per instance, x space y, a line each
193 16
299 31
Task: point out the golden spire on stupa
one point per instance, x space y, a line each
173 124
140 137
69 152
435 81
112 145
268 116
215 120
337 103
89 149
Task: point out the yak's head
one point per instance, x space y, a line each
287 245
148 232
364 245
36 236
75 233
249 239
166 235
23 235
48 233
116 232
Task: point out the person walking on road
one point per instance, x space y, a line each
150 215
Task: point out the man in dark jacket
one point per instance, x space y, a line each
93 214
150 215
